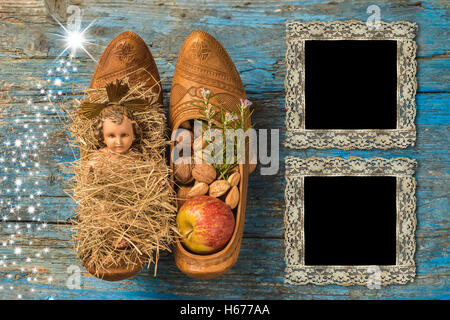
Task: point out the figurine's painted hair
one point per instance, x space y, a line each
116 114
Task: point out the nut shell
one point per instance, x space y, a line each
232 199
234 179
204 172
183 136
199 189
182 171
182 195
186 125
218 188
199 143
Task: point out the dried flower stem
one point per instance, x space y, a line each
233 120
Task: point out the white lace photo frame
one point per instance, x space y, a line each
298 273
402 136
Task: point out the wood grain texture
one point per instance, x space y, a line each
253 33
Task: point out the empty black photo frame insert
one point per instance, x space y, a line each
350 84
350 220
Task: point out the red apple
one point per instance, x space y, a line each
205 223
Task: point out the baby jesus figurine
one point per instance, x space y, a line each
116 131
125 207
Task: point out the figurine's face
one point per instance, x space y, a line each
118 137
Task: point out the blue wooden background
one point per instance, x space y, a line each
253 32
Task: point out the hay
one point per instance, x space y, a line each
125 210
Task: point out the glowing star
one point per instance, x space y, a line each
74 39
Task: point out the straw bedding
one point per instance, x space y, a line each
125 211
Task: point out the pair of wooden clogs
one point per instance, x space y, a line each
202 63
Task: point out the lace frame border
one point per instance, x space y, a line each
297 273
298 137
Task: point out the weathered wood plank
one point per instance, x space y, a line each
265 208
253 33
159 19
432 141
258 51
264 192
258 274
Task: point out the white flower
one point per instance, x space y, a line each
246 103
204 92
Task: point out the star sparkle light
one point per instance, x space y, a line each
74 38
23 173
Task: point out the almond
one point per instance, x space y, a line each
204 172
232 198
182 195
183 171
234 179
199 189
218 188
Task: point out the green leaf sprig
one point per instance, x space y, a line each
223 120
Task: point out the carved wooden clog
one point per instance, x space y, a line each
115 274
204 63
126 55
